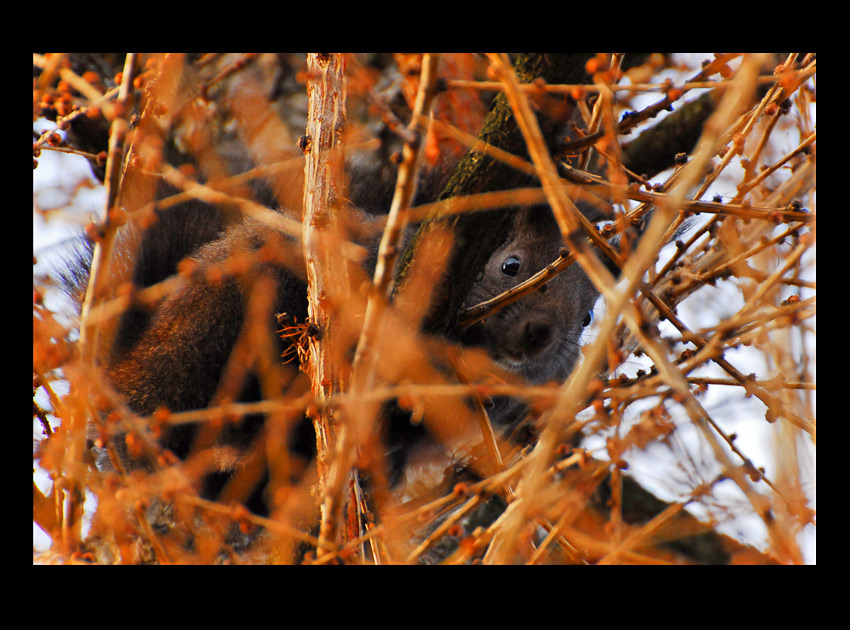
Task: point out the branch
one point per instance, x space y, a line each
327 273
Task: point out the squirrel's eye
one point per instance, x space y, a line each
587 319
511 266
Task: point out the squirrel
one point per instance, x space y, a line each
177 354
538 336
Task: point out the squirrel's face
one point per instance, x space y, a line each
538 335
